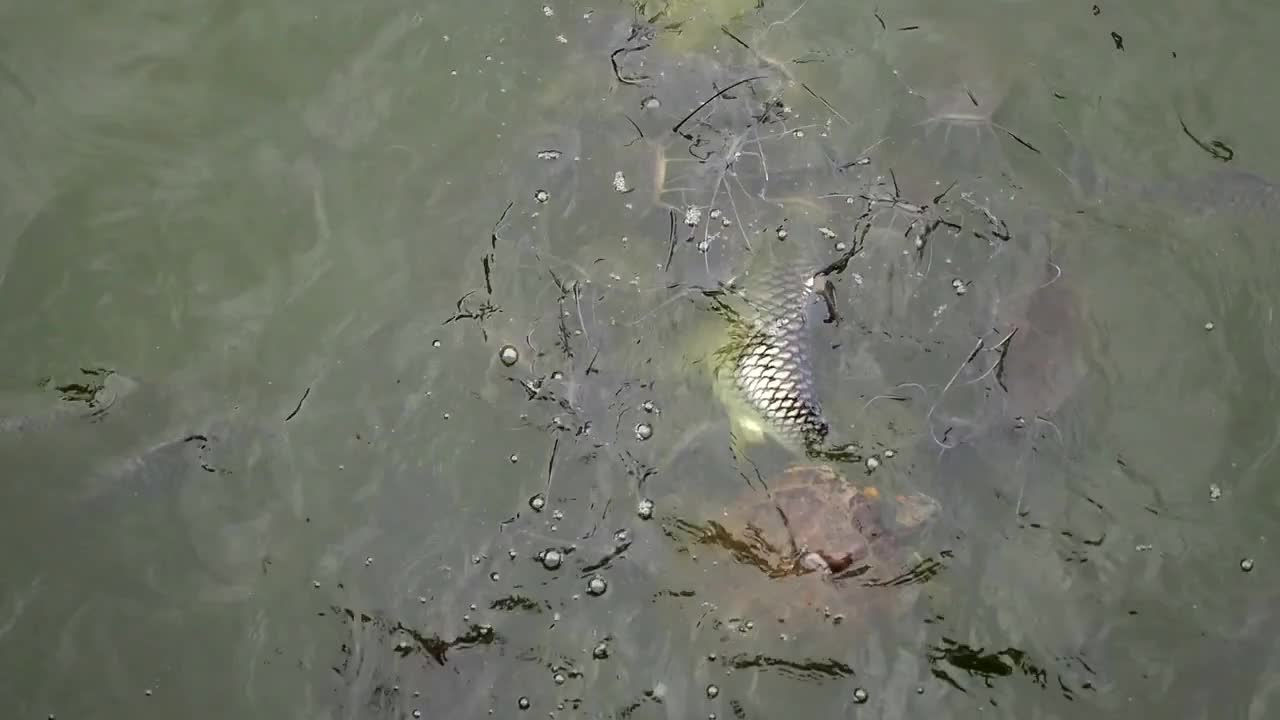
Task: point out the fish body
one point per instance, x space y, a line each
764 371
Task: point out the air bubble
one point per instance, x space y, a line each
509 355
436 343
541 195
860 696
1246 565
523 703
712 691
537 502
647 406
644 431
890 453
782 233
558 678
644 509
551 558
650 103
494 576
1208 326
597 586
873 462
514 458
842 246
600 651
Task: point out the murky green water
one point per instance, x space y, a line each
262 458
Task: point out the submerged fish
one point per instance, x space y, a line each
764 373
89 399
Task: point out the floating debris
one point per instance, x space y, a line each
1208 326
644 509
600 651
644 431
692 216
549 154
890 453
1215 492
620 183
960 286
873 462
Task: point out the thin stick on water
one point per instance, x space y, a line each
929 416
996 364
1057 274
582 323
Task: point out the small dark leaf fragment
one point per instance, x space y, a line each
1216 148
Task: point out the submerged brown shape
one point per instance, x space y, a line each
1044 367
827 543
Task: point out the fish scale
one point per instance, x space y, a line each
769 354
